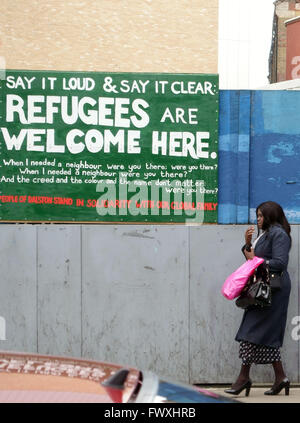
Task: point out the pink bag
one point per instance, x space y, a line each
235 283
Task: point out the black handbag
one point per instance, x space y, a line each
275 280
257 292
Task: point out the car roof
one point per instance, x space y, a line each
30 377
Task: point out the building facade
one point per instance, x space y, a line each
285 23
293 48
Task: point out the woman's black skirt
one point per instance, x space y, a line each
258 354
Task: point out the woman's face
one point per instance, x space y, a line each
260 219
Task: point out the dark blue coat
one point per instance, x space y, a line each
266 326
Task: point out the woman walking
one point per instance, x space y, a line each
262 330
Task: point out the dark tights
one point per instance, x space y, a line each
245 371
279 372
243 377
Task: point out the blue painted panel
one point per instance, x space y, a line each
234 142
259 153
279 109
228 143
275 151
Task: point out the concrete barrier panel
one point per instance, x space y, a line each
146 296
18 299
59 289
136 297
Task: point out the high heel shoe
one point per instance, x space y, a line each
276 389
246 385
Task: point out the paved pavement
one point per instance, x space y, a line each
257 394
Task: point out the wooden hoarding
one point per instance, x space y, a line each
99 147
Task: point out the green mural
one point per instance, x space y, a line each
108 147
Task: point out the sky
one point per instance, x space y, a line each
245 34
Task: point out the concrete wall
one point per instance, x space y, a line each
147 296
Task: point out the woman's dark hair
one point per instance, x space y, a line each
273 213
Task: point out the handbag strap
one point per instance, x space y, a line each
253 279
268 274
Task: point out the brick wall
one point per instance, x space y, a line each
104 35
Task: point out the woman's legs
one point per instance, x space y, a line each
243 377
281 381
242 382
279 372
245 372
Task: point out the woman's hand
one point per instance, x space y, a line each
248 234
249 254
